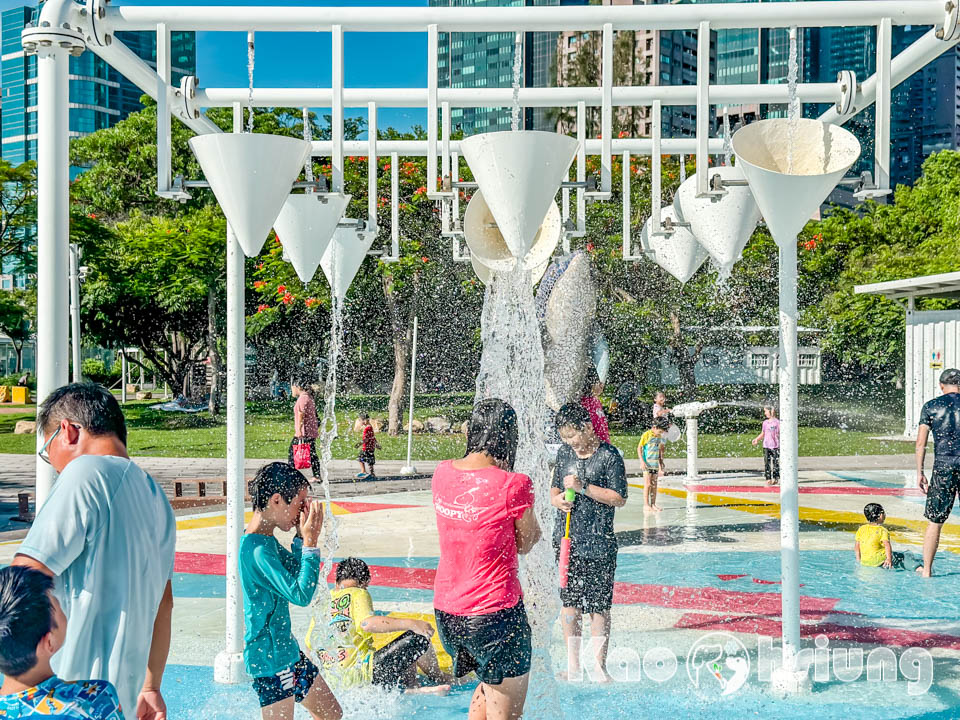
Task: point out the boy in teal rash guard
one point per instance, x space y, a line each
272 577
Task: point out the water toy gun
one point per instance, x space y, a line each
569 495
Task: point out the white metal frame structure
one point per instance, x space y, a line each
66 27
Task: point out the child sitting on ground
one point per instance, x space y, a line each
368 449
872 543
650 452
33 628
354 624
272 577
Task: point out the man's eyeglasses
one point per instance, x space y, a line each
43 454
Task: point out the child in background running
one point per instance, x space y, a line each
368 448
272 577
770 434
32 630
650 452
872 543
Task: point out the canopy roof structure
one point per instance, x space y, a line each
944 285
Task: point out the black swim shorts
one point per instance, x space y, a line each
589 583
942 493
391 662
496 646
295 680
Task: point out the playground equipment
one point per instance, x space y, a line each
306 225
691 412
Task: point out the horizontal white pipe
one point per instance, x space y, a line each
925 50
721 16
529 97
418 148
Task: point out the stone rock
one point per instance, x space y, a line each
147 395
377 425
131 388
25 427
417 426
438 424
465 427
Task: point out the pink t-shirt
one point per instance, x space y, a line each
305 417
599 421
771 433
476 510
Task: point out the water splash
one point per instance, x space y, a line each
328 433
511 368
251 55
727 139
793 102
308 136
683 168
517 67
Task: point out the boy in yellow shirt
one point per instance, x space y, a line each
353 624
650 452
872 542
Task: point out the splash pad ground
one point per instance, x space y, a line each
709 563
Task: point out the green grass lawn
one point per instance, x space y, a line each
270 425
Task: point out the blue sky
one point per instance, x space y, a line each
303 59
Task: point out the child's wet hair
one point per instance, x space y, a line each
353 568
364 415
573 415
493 430
276 477
873 511
26 616
661 423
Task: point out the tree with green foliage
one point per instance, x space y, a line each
18 215
18 310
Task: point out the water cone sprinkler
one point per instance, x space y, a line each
343 258
677 252
305 227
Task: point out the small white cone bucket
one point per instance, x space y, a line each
790 190
250 175
305 227
343 258
721 224
519 174
678 252
487 244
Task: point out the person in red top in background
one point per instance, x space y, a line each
305 425
485 521
368 449
590 401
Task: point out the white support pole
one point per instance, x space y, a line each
606 111
656 168
581 166
124 375
164 162
53 234
372 168
394 207
789 449
432 80
625 204
228 665
445 167
703 107
75 311
881 174
336 108
910 382
409 469
693 448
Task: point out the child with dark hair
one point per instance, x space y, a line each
305 423
368 449
272 577
872 543
770 435
354 625
590 400
650 452
32 629
595 471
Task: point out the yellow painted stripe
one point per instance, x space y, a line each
221 520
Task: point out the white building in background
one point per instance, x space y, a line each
932 337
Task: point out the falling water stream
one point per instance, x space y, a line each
308 136
727 140
793 102
517 67
251 55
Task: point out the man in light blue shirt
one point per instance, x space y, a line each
107 534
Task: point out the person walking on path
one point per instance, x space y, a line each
941 416
107 536
485 520
770 435
305 425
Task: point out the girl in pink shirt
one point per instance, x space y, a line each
770 435
305 425
590 401
485 521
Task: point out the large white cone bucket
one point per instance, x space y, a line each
250 174
488 245
305 227
789 190
678 252
485 274
721 224
519 174
343 258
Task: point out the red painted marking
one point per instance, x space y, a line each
871 635
361 507
401 577
682 598
731 577
200 563
818 490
